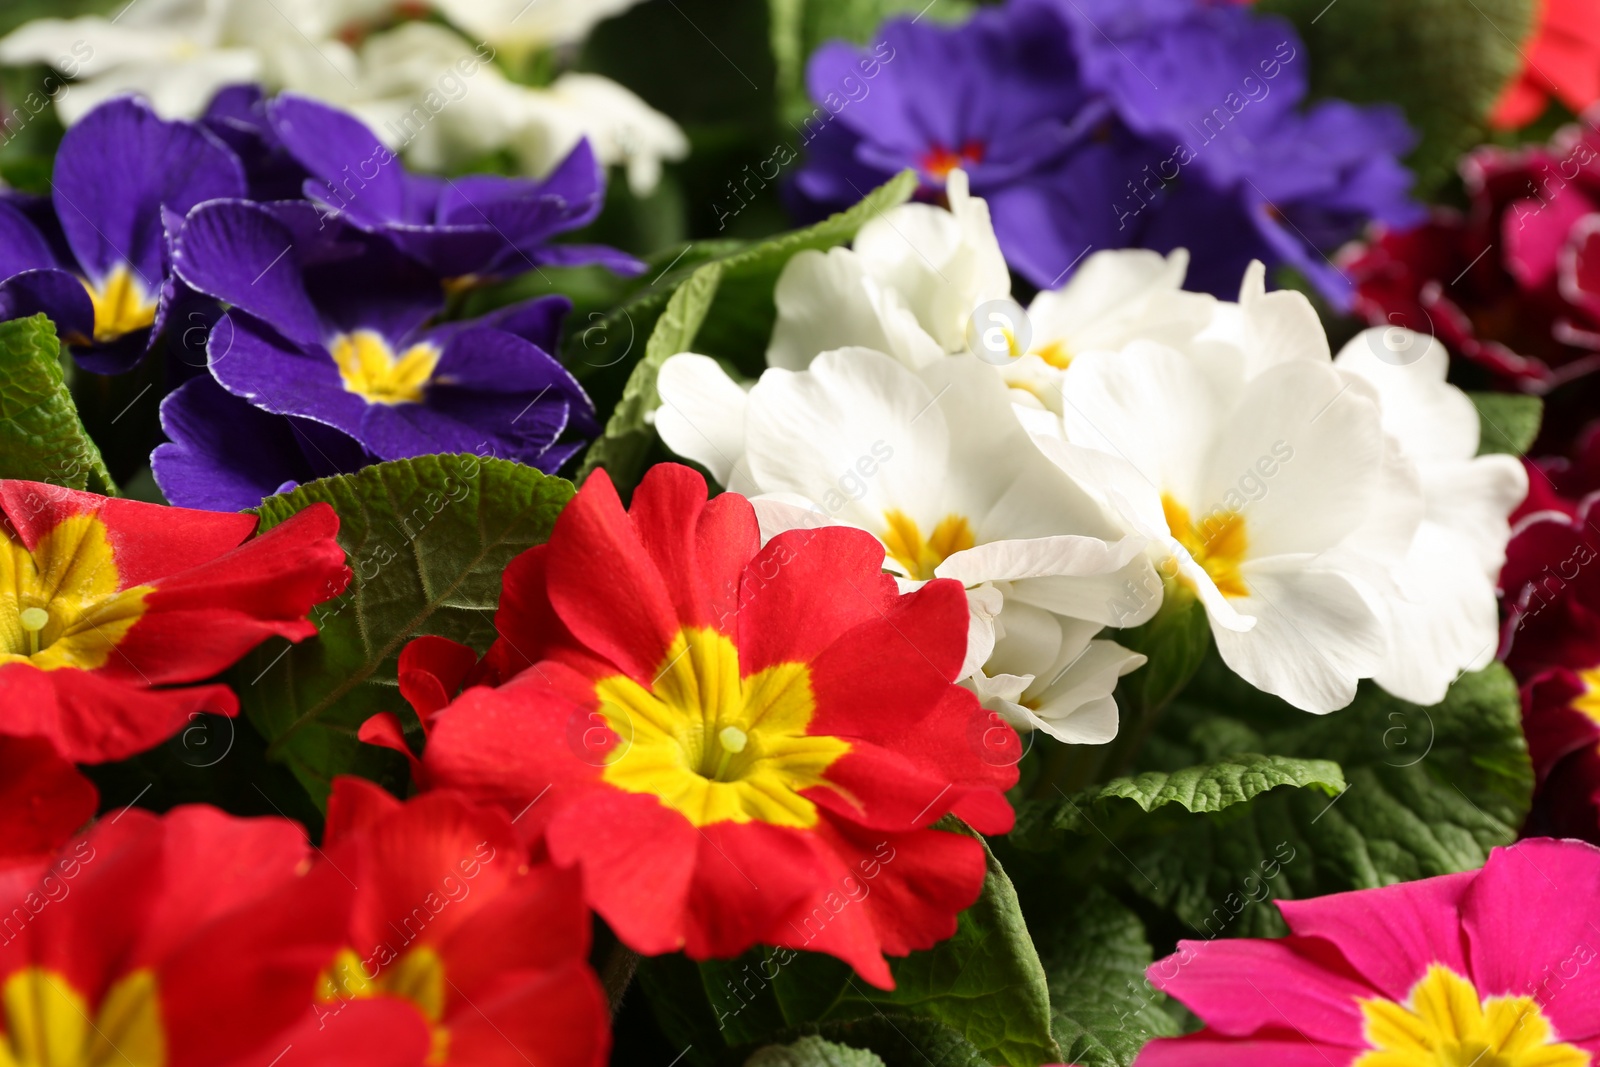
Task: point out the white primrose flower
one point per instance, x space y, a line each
416 97
425 90
1049 673
933 463
1445 619
178 53
1253 494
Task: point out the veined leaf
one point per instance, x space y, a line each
427 540
41 436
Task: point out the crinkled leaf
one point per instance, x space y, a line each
1509 421
41 437
427 540
1444 61
1095 952
813 1052
1429 791
1210 787
725 307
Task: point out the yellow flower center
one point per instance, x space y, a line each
59 604
919 557
1444 1023
1217 543
371 370
48 1023
417 976
121 305
1589 701
1055 353
716 747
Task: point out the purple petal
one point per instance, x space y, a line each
352 172
118 167
22 246
54 293
241 254
238 117
537 320
279 376
226 455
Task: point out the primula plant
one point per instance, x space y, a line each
992 533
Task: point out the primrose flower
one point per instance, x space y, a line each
102 235
44 800
449 918
193 938
107 604
332 327
769 724
1493 966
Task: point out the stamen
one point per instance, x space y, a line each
33 621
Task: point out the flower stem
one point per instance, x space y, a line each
616 974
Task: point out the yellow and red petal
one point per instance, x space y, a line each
148 541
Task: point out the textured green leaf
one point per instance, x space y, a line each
41 436
1509 421
628 435
813 1052
800 26
1211 787
1429 791
1444 61
724 307
427 539
904 1040
1095 952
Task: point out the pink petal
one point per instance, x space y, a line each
1390 935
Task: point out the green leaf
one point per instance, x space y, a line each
427 540
41 437
904 1040
813 1052
799 27
986 983
628 435
1429 791
1095 952
1175 641
1509 421
1211 787
725 307
1444 61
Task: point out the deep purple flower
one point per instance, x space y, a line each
115 172
330 324
464 229
1090 124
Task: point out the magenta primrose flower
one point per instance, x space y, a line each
1498 967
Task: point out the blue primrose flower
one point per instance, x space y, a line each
1092 124
93 256
329 326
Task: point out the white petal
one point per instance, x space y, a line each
1474 500
858 433
1299 457
702 413
1450 624
1315 636
1117 297
1432 418
826 301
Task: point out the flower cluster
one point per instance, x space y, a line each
1136 445
409 69
1099 124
